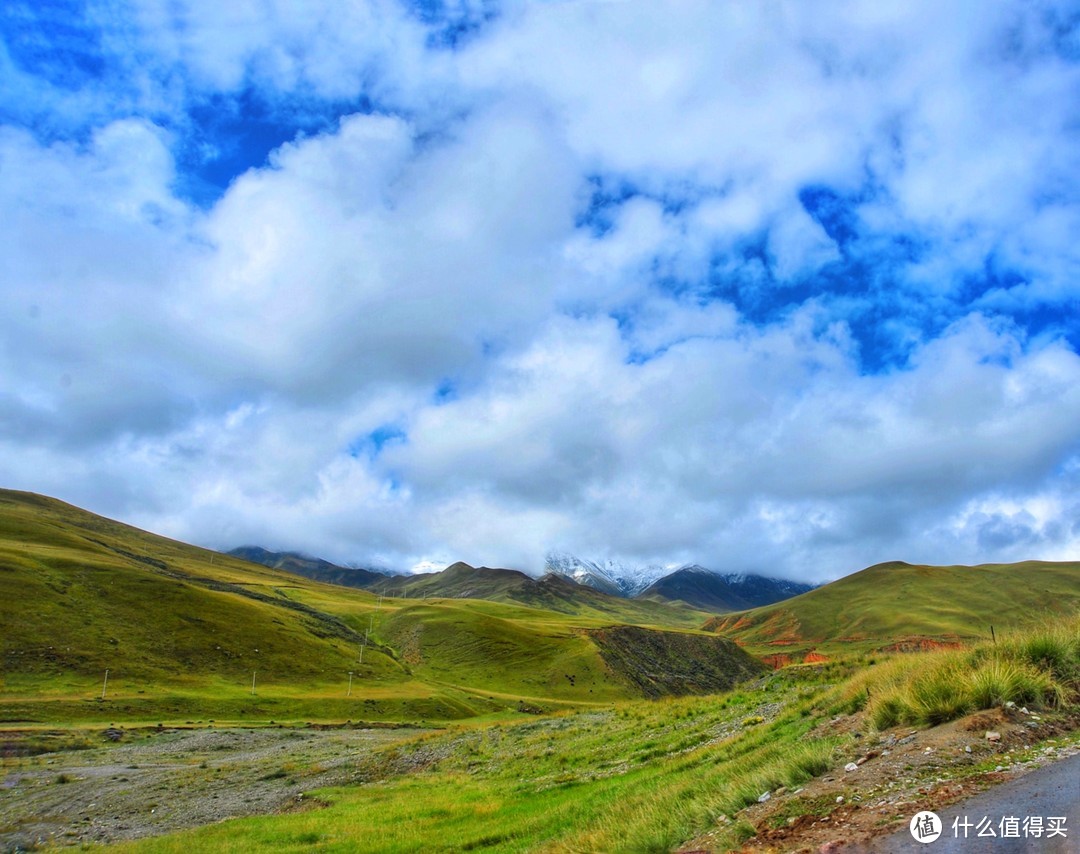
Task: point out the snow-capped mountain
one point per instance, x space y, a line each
691 583
608 576
714 591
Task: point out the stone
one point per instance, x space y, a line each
764 796
851 766
993 736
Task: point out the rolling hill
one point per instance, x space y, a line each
691 587
184 632
309 567
899 606
551 592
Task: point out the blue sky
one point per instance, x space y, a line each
756 286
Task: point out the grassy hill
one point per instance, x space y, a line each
904 607
550 592
309 567
182 631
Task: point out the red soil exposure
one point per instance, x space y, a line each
917 644
782 659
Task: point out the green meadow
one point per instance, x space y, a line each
189 634
645 776
542 730
633 776
907 607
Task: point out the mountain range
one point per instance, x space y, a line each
693 586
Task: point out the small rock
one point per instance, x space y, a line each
1010 705
780 791
1024 711
999 767
861 760
839 799
851 766
993 736
907 739
886 752
764 796
967 748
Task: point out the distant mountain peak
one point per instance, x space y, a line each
608 576
734 591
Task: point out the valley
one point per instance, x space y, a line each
482 708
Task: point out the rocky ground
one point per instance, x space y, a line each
155 781
890 776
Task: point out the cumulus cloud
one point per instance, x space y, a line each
763 288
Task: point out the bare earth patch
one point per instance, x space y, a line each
157 781
899 772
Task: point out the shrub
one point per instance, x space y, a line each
807 760
889 711
1054 649
996 682
939 696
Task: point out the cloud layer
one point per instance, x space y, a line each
761 287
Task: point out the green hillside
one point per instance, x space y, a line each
183 631
550 592
906 607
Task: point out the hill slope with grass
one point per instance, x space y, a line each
309 567
551 592
184 631
899 606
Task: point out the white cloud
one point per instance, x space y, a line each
608 388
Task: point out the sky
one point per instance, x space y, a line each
769 287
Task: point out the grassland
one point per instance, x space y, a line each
648 776
537 738
184 632
638 776
904 607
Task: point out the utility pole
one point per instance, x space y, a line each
252 683
105 684
349 692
